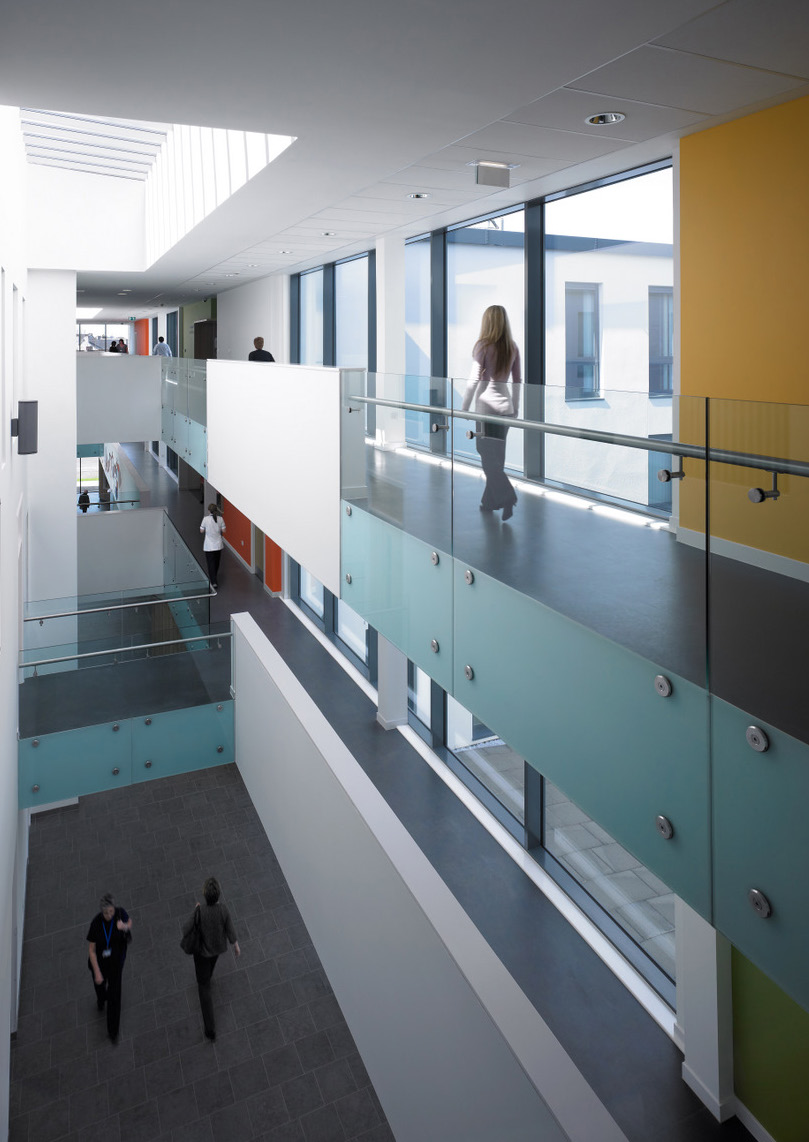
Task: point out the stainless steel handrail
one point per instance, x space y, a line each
124 649
669 447
119 607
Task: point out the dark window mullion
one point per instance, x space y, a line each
295 319
329 317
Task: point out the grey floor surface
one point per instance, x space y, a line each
284 1066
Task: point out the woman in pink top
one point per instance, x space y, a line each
496 362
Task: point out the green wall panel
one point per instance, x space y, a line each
761 841
73 763
585 712
397 588
770 1053
182 740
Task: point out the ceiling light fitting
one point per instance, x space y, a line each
328 233
419 194
284 251
605 118
490 172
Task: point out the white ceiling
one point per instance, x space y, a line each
388 97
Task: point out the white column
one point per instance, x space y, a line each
391 685
50 379
705 1010
390 337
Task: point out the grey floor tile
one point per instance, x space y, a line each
336 1079
314 1050
357 1112
177 1108
323 1125
247 1078
268 1109
302 1095
213 1093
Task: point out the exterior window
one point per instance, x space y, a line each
661 340
351 313
581 340
312 318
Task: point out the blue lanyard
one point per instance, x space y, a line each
108 937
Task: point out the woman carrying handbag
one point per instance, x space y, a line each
205 936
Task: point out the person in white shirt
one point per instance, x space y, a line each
161 349
212 527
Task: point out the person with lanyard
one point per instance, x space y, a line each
110 932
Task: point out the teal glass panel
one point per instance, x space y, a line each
761 842
402 587
197 448
179 741
74 762
759 559
89 450
585 712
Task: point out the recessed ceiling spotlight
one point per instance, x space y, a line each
605 118
252 265
419 194
284 251
328 233
231 275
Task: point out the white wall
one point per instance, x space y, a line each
50 378
119 551
260 309
274 451
453 1047
84 221
117 397
12 516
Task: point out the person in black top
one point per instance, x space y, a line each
109 933
260 353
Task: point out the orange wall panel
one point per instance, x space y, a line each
239 531
142 337
744 249
273 565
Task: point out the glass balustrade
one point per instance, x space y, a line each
399 466
151 663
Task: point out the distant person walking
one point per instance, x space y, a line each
260 353
216 930
212 527
495 362
107 939
114 347
161 349
122 346
84 500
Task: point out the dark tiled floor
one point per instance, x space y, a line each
284 1065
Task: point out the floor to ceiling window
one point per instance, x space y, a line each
485 266
609 330
311 318
351 313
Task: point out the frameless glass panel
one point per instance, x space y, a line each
312 592
487 757
759 554
351 313
609 327
92 337
197 402
402 473
640 903
120 682
352 629
620 567
312 318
